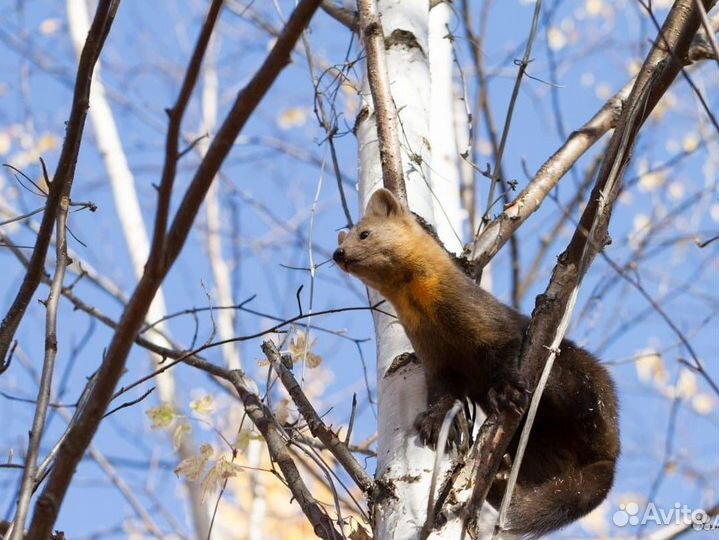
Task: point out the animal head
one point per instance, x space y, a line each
377 249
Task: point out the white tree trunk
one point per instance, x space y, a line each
132 225
401 461
426 108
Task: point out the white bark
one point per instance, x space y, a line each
433 191
401 461
132 225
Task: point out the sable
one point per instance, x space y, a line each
468 342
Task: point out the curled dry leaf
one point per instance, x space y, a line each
178 436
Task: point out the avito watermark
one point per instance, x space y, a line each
679 514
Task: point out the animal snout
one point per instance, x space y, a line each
339 255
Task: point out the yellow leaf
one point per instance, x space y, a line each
203 405
593 7
690 142
5 143
243 440
161 416
703 403
49 26
557 39
650 367
687 384
292 117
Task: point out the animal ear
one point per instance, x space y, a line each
341 237
383 203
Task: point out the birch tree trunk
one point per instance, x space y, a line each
402 463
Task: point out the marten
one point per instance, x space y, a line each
468 342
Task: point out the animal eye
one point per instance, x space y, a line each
364 235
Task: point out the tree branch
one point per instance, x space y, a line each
48 368
488 243
554 306
61 184
112 367
317 427
384 108
341 15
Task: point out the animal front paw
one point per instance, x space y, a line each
510 394
429 423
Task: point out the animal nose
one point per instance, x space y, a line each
339 255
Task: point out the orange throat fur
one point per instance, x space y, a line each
418 297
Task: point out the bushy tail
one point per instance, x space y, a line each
540 509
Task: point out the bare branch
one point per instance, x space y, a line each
172 141
317 427
510 111
341 15
501 229
385 110
553 308
65 172
48 368
88 419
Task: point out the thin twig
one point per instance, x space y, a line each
61 184
510 112
48 368
317 427
88 420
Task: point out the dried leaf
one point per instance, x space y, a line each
360 533
193 466
300 348
216 476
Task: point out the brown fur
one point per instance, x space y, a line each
468 342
